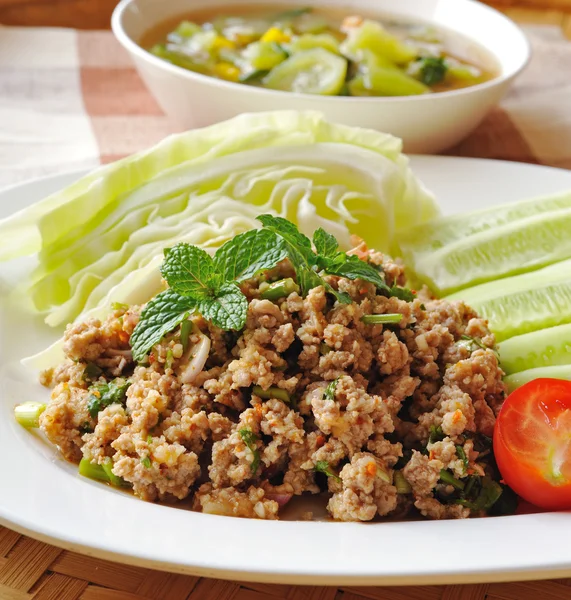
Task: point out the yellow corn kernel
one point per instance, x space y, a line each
227 71
243 39
222 42
273 34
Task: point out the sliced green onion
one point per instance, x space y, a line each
185 331
462 456
382 319
325 349
146 462
383 475
280 289
402 485
101 472
119 306
449 479
93 471
28 414
114 480
272 392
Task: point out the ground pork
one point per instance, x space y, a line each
306 399
229 502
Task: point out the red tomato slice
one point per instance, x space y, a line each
532 443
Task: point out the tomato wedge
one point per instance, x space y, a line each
532 443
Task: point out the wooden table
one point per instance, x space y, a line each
31 570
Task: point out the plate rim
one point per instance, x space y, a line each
29 527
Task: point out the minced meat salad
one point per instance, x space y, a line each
278 368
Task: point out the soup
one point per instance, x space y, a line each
314 51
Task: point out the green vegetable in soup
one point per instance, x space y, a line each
314 71
371 36
262 56
373 59
308 42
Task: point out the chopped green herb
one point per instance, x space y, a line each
506 504
250 438
390 318
436 434
149 439
105 394
432 70
169 359
325 349
146 462
422 306
449 479
329 392
322 466
488 494
462 456
91 372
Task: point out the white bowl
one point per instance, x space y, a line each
427 124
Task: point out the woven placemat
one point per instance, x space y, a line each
32 570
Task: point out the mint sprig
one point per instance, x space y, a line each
209 285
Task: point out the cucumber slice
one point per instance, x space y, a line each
263 56
180 60
442 231
490 254
373 37
308 42
524 303
382 78
518 379
544 348
314 71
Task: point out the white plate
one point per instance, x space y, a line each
42 496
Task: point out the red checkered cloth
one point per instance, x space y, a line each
72 99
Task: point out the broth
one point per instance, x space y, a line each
321 51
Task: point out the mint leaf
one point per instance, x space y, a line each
325 244
227 310
161 315
247 254
298 245
355 268
401 293
189 270
301 255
